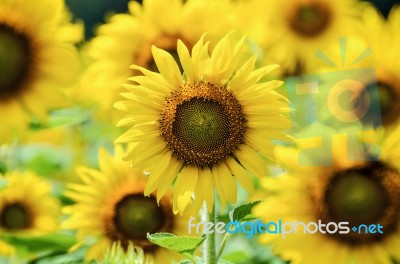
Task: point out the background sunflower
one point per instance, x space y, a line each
27 208
38 59
356 188
110 206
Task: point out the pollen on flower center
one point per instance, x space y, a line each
367 195
309 19
15 60
202 123
15 216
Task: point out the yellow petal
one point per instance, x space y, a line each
225 184
175 166
167 67
251 161
97 250
184 187
205 189
186 61
241 175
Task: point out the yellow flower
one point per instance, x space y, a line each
110 206
383 39
355 188
373 60
27 206
296 29
127 39
37 59
204 129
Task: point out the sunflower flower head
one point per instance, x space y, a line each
373 60
204 127
37 61
382 37
301 27
27 206
111 208
357 188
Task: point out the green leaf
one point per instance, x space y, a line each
59 242
237 256
76 257
243 212
180 244
186 261
223 261
223 218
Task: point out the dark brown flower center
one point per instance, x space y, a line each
202 123
388 97
309 19
15 216
364 195
136 215
15 61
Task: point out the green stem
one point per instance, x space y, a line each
210 248
223 244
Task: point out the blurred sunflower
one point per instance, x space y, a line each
383 39
110 206
358 192
202 128
27 206
373 60
301 27
127 39
37 58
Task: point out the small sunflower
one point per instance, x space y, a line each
127 39
301 27
37 58
110 206
27 206
358 192
206 128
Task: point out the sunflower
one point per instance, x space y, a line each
206 128
27 206
383 39
127 39
110 206
301 27
373 61
37 59
357 187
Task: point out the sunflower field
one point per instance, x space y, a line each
199 132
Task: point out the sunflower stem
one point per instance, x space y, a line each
210 248
223 244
